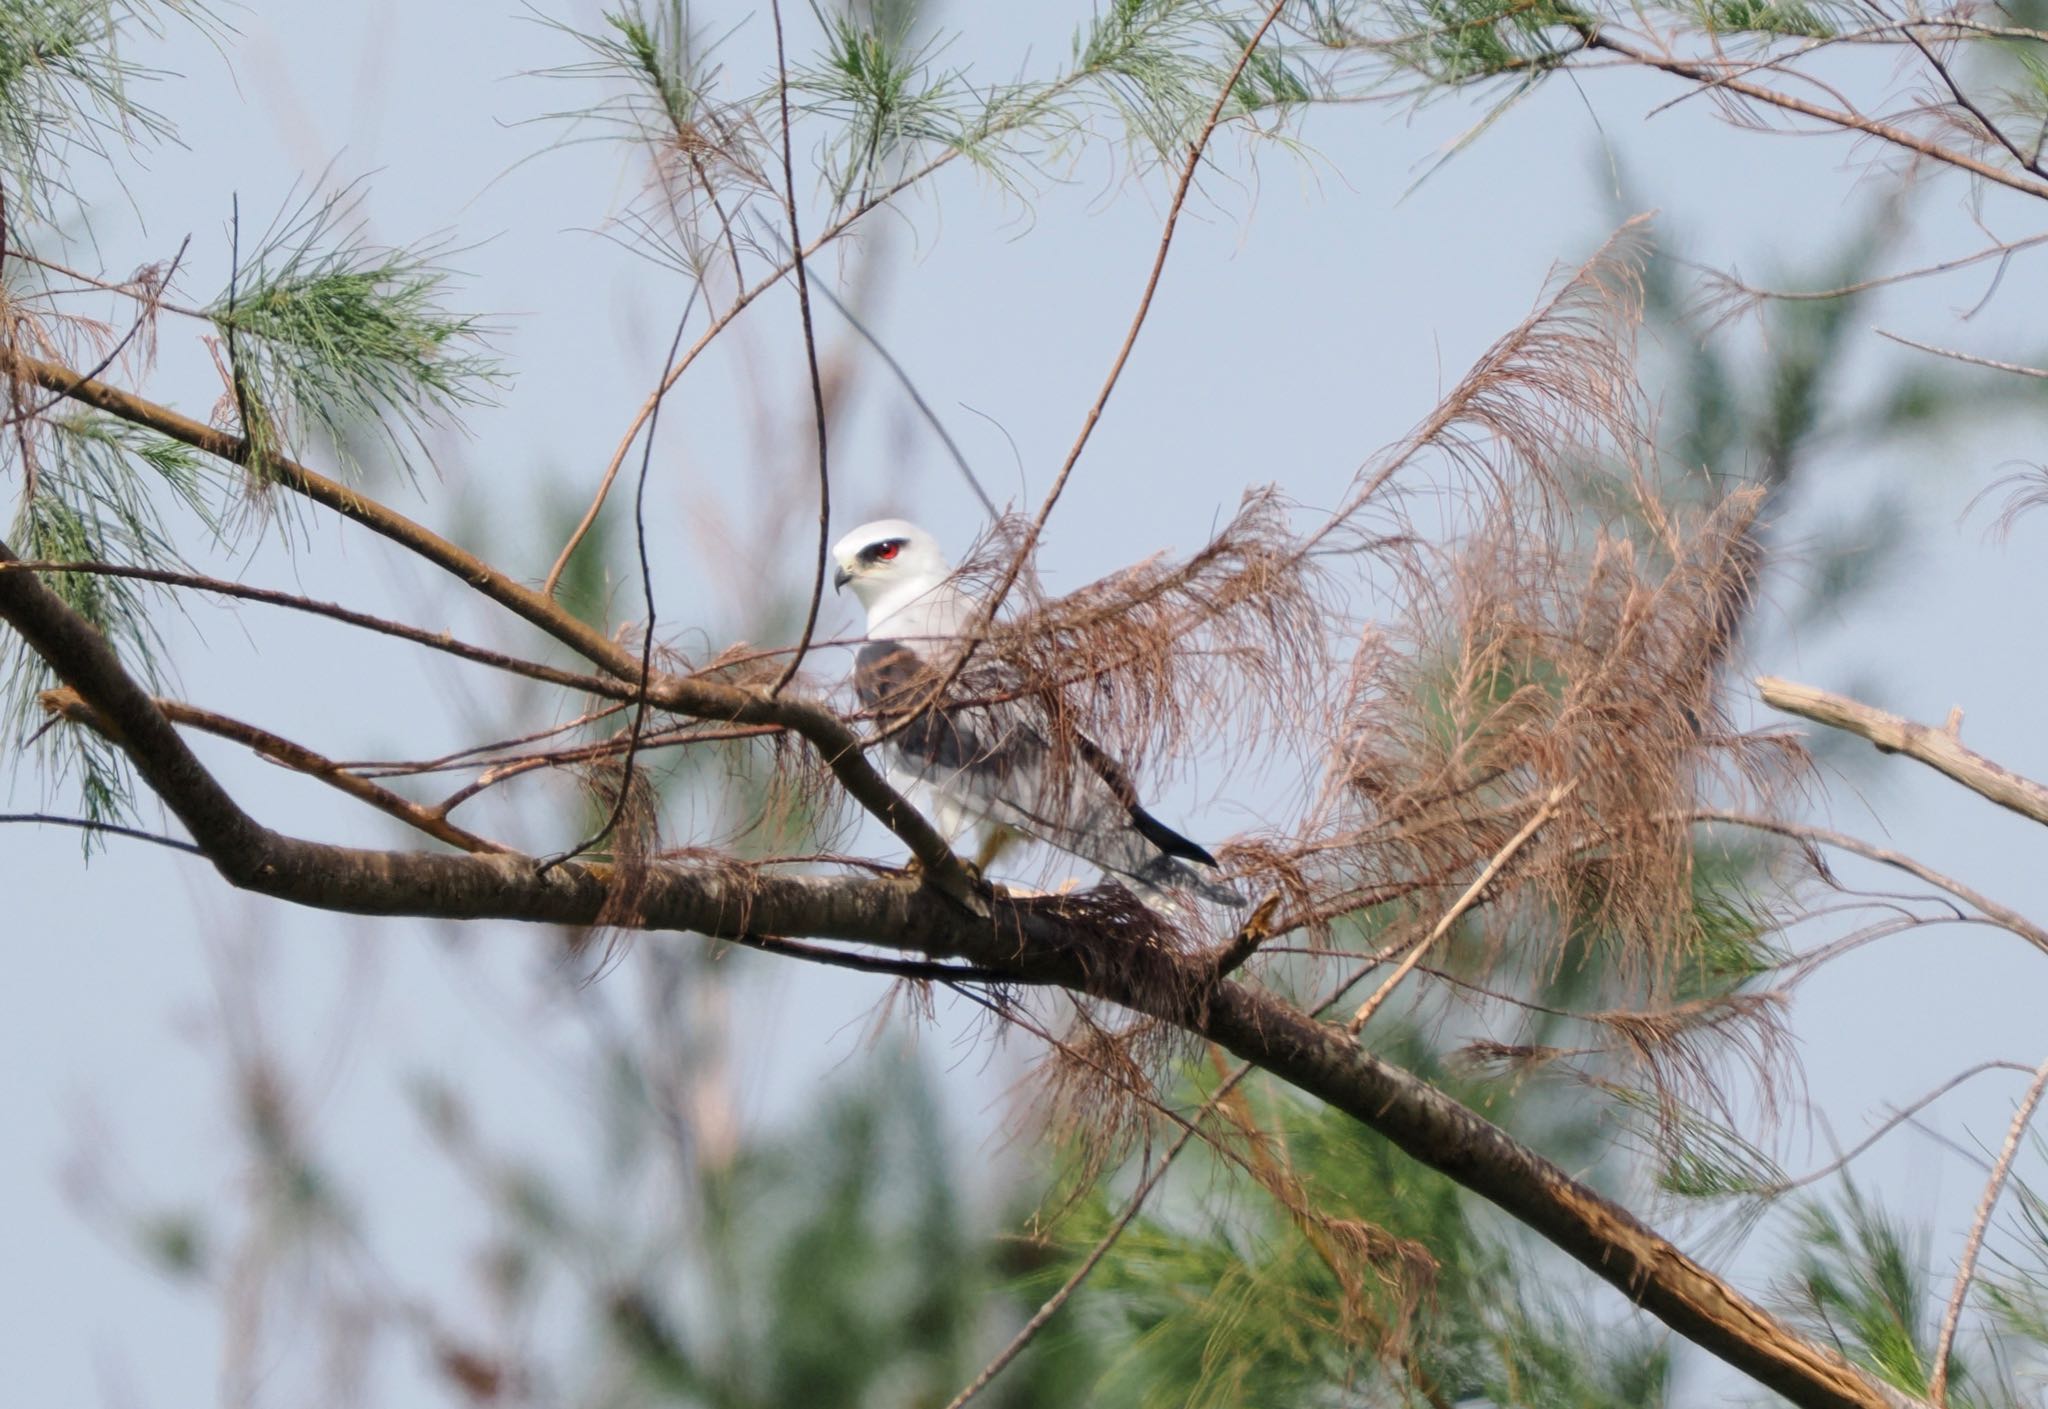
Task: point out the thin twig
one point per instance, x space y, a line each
1052 1304
1834 117
500 770
1900 1116
902 375
625 793
114 353
476 755
2004 249
803 304
919 969
435 640
2019 369
1937 1385
1969 105
1463 903
1189 1128
127 289
2003 916
1028 541
112 829
67 703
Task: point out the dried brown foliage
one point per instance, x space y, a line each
1514 644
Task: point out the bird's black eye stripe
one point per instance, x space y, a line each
883 551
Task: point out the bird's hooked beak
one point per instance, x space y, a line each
840 578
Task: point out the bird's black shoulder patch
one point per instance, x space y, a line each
884 672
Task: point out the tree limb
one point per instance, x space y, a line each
1939 749
1035 940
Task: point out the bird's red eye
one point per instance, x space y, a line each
887 552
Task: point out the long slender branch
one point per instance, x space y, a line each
624 796
112 829
1704 75
803 304
297 757
291 601
1939 749
1050 1307
1898 1117
920 970
2017 368
1970 106
2004 916
1937 1387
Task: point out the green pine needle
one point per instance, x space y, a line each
333 334
66 87
94 498
879 90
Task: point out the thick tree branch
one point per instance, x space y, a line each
1042 940
1939 749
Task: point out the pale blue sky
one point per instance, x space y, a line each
1309 316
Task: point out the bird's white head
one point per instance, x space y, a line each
893 565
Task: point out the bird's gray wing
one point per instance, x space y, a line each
992 759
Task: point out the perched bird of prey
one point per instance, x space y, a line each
992 762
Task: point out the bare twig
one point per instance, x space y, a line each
1052 1304
2003 916
2019 369
639 721
1901 1116
1463 903
67 703
1939 749
1937 1386
920 970
433 640
803 303
1705 75
114 353
902 375
1188 1130
112 829
1969 105
2003 250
